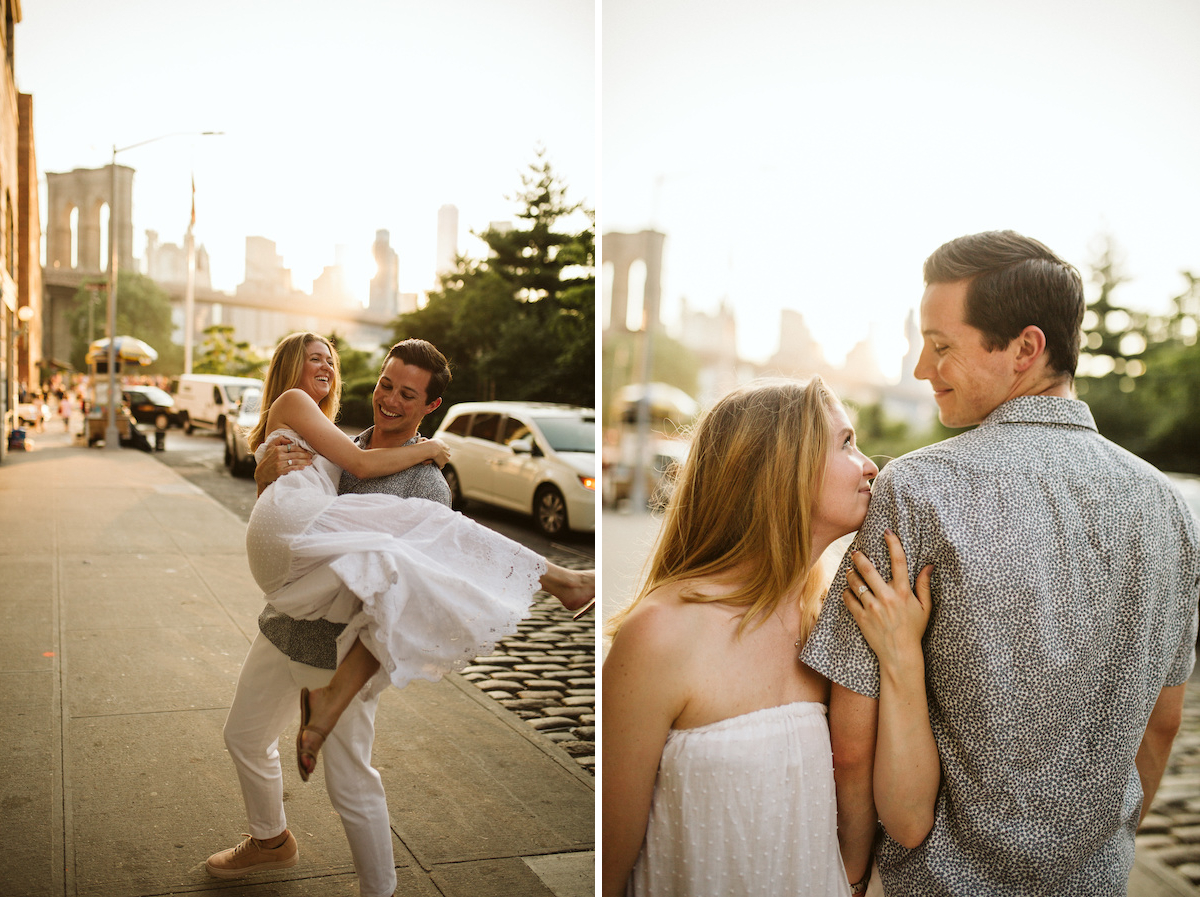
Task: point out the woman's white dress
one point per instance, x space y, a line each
745 806
426 588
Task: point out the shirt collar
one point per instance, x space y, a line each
1042 410
364 438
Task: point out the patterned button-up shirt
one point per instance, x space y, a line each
1066 574
314 642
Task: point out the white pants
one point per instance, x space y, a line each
265 702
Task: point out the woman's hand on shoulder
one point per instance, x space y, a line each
439 452
890 615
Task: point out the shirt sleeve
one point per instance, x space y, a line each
1184 661
1188 617
836 648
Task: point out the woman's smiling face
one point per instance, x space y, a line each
317 375
841 505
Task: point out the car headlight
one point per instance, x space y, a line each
589 483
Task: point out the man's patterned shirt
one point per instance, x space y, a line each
1066 574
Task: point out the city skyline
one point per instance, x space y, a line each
335 125
814 155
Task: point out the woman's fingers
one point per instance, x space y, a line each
866 570
899 561
853 583
924 590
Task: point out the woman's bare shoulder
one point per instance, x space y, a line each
665 620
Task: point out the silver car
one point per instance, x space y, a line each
238 457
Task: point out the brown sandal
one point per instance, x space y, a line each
301 750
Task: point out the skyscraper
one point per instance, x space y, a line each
385 285
447 239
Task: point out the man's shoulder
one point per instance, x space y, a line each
938 459
422 481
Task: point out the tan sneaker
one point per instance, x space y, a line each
251 856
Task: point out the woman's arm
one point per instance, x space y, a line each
892 620
295 410
643 694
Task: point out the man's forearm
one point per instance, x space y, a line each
856 821
852 730
1155 748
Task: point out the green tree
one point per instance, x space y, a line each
520 324
1171 386
1112 336
355 364
1140 373
222 353
360 371
143 311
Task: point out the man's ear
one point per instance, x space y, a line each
434 405
1030 345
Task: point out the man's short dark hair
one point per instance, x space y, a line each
1015 282
423 354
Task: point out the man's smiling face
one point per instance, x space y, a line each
399 398
969 380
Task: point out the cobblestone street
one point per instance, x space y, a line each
546 674
1171 831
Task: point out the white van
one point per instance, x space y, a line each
204 400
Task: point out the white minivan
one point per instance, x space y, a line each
205 400
527 456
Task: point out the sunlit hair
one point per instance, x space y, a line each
743 502
1015 282
424 355
283 374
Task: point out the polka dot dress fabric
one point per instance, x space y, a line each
1065 588
745 807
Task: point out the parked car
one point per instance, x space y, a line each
206 400
30 413
148 404
536 458
238 457
666 458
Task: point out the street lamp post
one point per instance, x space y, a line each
112 436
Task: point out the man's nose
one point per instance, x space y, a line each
925 367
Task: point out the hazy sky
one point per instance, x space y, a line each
339 119
812 154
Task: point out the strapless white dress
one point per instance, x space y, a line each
745 806
426 588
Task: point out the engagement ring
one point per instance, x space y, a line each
862 589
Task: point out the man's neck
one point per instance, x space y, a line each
380 439
1062 387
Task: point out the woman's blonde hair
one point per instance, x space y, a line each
744 498
287 363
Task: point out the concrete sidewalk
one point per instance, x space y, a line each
127 608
